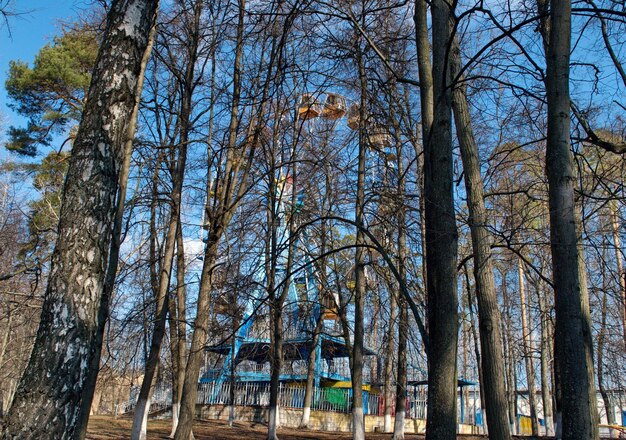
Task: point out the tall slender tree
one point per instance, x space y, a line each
572 329
441 238
492 365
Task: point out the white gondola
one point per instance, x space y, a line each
379 137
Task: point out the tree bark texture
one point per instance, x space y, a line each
358 424
388 365
491 360
572 347
545 354
180 332
441 241
310 374
109 282
178 176
220 215
51 393
528 349
619 264
403 322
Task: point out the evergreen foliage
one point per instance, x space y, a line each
51 93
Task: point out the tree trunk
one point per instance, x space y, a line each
572 347
427 105
147 386
356 370
178 176
441 241
491 361
608 407
388 366
228 192
67 344
528 349
619 265
310 374
401 385
180 336
470 304
545 351
426 111
509 359
198 341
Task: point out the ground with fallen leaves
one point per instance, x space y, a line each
108 428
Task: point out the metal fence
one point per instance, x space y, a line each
255 394
289 396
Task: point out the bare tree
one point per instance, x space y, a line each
492 365
441 238
187 79
573 348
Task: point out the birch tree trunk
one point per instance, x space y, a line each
55 393
572 348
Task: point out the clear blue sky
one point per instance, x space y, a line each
36 26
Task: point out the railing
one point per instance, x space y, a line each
161 399
251 394
258 395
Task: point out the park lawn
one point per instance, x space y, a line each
109 428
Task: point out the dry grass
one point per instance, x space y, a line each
108 428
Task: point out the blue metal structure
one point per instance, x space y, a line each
303 290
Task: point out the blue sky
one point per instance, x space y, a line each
36 26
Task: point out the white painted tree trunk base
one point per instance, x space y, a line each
358 424
387 423
558 425
306 417
549 426
140 420
175 412
272 424
231 415
398 426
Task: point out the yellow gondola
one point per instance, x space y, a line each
353 117
309 107
334 106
